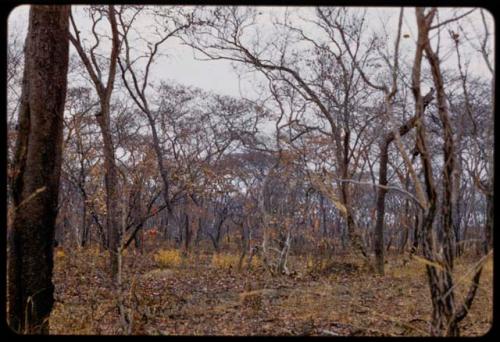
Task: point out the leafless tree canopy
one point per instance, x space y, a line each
363 137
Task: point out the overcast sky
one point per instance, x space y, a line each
220 77
181 65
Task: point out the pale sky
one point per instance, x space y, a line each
180 66
220 77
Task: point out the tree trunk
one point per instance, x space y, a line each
406 228
416 234
489 223
104 91
37 168
323 216
187 232
379 225
353 233
445 314
136 213
113 225
160 162
85 226
446 307
245 244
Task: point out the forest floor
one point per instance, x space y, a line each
206 295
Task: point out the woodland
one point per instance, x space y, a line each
347 190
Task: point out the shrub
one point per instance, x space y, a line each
315 263
256 262
168 258
225 261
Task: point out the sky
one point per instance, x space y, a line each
220 77
180 65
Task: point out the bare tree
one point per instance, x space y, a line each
222 37
445 315
104 90
136 80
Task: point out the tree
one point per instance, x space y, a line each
173 22
37 166
446 314
224 36
103 116
80 159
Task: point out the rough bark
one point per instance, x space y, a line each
37 167
445 314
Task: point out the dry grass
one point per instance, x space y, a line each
168 258
225 261
172 296
230 261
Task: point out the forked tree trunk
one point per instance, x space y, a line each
382 191
37 168
445 314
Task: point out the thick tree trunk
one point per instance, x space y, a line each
37 170
446 307
445 314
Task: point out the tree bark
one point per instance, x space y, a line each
37 168
445 314
379 225
446 305
111 184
